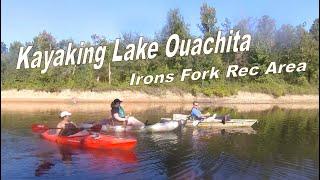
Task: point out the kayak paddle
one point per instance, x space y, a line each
39 128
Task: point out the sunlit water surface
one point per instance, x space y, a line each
283 145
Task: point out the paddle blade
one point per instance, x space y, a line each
195 123
38 128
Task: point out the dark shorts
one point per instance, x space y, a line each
69 132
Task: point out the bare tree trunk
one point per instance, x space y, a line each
109 73
74 69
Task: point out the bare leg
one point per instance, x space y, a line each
218 119
224 118
132 121
211 119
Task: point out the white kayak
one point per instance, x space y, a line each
158 127
162 126
119 128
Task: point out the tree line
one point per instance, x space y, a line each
286 44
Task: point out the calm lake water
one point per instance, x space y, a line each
283 145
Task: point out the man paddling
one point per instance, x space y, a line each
197 116
68 128
196 113
119 116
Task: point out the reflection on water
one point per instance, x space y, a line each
283 145
43 168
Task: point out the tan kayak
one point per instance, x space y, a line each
231 123
216 122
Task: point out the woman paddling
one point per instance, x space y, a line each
119 116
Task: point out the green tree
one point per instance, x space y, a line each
4 48
265 34
44 41
175 25
309 50
208 20
314 30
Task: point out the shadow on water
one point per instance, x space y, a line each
283 145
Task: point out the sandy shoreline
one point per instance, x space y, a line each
134 107
135 96
30 101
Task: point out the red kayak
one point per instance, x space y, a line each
97 141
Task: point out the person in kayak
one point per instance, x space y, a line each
119 116
196 115
68 128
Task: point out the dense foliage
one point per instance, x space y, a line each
287 44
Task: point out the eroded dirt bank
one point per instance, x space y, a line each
136 96
29 101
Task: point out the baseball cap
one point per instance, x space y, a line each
117 100
65 113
